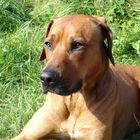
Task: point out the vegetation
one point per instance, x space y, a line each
22 26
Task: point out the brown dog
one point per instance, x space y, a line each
87 99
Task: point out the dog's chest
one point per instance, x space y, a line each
84 126
80 120
74 125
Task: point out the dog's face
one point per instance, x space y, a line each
74 48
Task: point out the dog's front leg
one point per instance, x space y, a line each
45 120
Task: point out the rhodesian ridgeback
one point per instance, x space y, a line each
87 99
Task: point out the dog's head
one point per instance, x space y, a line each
75 52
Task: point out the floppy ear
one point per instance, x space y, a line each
43 54
49 27
108 35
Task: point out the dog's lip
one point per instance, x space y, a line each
58 91
61 89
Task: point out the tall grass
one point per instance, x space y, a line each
22 27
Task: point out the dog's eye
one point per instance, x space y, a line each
48 45
76 46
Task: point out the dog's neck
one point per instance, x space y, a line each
94 96
95 76
97 90
99 84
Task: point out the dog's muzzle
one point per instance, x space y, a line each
52 82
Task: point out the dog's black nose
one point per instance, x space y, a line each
49 77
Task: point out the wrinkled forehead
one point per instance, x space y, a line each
76 26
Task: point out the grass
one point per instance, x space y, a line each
22 26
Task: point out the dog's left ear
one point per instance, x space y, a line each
43 54
108 35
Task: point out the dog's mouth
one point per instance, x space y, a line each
61 88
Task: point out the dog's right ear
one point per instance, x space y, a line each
49 27
43 54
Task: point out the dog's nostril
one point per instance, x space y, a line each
49 77
49 80
42 77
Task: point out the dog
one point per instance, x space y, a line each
87 98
